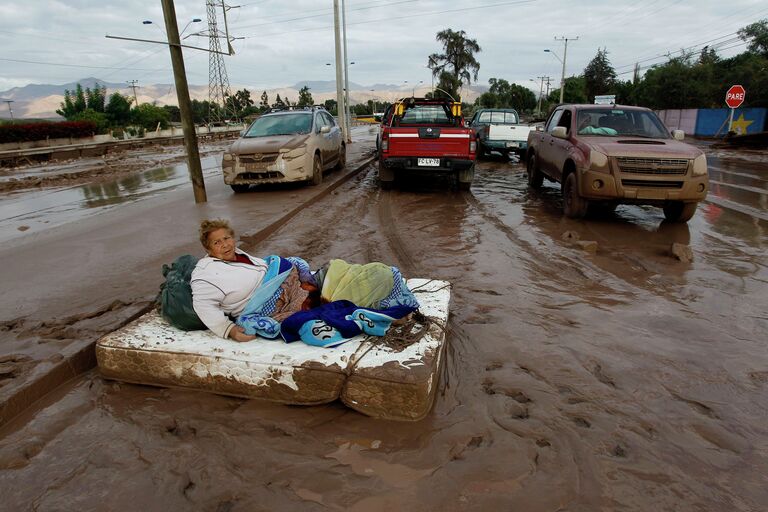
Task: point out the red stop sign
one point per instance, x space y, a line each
735 96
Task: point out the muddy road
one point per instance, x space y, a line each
617 380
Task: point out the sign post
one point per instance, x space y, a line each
734 98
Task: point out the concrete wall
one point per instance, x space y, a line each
98 139
680 119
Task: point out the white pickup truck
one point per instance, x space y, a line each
499 129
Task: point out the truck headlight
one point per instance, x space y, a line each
700 165
227 157
598 161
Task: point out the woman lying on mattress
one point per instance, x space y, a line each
240 296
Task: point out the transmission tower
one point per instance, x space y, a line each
218 82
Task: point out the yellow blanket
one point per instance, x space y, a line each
364 285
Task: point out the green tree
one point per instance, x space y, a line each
264 103
502 94
279 103
80 102
457 65
599 75
305 97
150 116
174 113
118 110
330 106
98 118
575 92
96 98
757 36
239 103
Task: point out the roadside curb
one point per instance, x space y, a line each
71 366
263 233
84 358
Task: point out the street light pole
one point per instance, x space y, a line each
565 57
340 107
185 106
346 70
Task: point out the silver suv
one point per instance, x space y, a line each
285 146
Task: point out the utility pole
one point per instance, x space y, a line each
346 72
565 56
548 83
185 106
541 91
132 85
636 75
10 110
340 104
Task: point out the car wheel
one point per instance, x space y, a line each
317 171
480 151
464 178
678 211
574 206
386 177
239 189
535 178
342 162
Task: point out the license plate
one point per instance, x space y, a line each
513 144
429 162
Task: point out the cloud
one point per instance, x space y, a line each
389 40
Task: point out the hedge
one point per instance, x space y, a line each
42 131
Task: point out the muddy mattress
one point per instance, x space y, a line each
393 377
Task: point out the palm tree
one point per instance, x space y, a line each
457 65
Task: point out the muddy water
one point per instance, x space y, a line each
621 380
25 212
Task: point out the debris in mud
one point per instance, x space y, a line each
404 335
589 246
682 252
571 236
22 228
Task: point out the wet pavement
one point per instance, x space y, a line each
622 379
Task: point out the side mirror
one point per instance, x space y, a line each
559 132
678 134
325 129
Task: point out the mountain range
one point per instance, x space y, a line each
41 101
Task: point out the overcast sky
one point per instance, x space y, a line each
288 41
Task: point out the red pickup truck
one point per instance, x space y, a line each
426 135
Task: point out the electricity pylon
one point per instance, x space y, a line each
218 81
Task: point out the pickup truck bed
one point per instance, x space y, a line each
425 136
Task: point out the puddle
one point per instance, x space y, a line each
26 212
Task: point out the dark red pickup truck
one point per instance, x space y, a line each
426 135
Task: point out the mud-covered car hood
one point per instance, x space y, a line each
268 144
637 146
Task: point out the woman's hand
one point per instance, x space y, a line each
238 334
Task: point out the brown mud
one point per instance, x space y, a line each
622 379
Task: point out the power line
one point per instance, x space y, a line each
66 65
411 15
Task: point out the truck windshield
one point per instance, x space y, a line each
426 114
498 118
282 124
620 122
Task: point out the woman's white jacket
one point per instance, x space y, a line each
221 289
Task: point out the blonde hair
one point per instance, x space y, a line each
208 226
